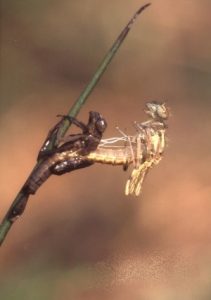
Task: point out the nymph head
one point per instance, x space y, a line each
96 122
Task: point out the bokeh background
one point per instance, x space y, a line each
80 237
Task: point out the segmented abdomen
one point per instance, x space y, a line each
114 156
46 168
40 175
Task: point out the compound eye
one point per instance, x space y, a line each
163 112
101 125
152 107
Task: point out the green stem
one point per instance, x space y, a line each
20 200
101 69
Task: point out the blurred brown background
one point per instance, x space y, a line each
80 237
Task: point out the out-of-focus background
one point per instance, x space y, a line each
80 237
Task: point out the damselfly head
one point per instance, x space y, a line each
157 110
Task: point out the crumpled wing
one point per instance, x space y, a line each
134 183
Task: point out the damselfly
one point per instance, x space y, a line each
143 150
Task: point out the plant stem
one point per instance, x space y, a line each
20 200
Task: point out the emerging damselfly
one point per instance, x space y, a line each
143 150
